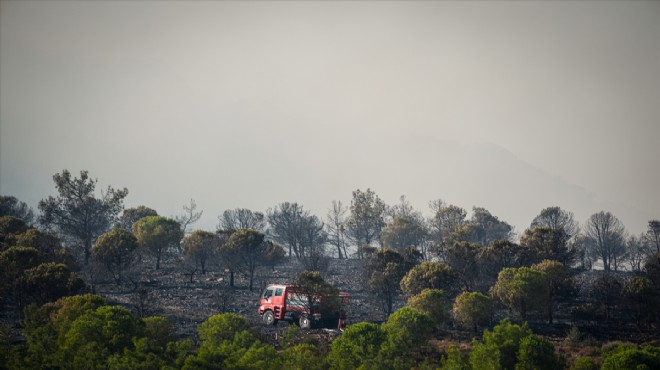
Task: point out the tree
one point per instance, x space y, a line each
115 250
319 296
585 363
247 250
407 329
46 243
49 281
429 275
200 246
406 210
642 299
499 348
537 353
219 328
46 327
606 290
488 227
159 330
606 237
383 271
189 216
652 269
156 235
403 232
497 255
294 227
652 235
15 261
336 226
11 206
367 217
472 309
445 221
358 346
462 257
636 251
557 219
434 302
521 289
304 356
112 328
633 359
559 280
10 228
543 243
313 244
131 215
77 213
241 218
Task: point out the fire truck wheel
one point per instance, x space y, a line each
268 318
305 322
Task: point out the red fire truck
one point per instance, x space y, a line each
286 302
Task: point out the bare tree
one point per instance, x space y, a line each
189 217
652 236
241 218
636 252
606 238
557 219
336 226
301 232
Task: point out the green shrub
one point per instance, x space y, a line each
219 328
584 363
359 344
499 349
633 359
434 303
537 353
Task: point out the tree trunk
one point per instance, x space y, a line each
87 247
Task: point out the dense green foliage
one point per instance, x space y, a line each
157 235
114 250
429 275
472 309
200 247
522 289
435 303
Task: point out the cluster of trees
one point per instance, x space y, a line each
84 332
35 268
449 268
78 216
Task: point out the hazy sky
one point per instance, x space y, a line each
512 106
